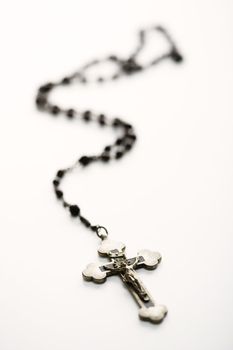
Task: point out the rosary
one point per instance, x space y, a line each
119 264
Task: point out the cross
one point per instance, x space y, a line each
125 268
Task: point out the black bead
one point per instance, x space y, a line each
60 173
85 160
107 148
87 116
70 113
56 183
127 126
130 66
65 81
59 194
94 228
74 210
46 88
85 221
55 110
131 137
105 157
41 100
117 122
176 56
128 146
119 141
119 154
102 119
100 80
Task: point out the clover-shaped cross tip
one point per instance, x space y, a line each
107 245
151 259
93 273
154 314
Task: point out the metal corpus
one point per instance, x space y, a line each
125 268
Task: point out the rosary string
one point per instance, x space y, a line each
124 143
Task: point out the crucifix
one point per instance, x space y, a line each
125 268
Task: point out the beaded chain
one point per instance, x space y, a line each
126 141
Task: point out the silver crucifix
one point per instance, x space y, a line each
125 268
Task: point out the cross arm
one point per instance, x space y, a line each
98 274
147 259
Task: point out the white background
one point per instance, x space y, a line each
172 193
